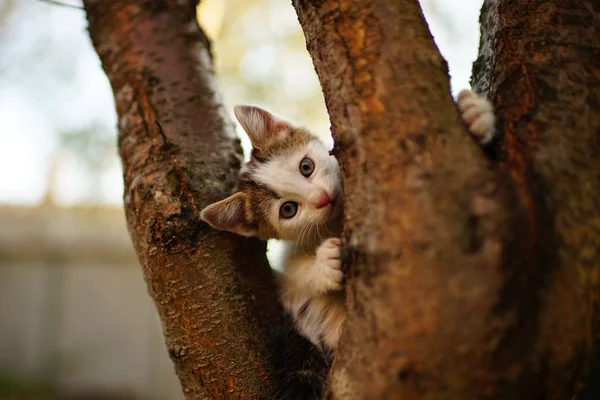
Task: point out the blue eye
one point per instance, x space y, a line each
307 166
288 209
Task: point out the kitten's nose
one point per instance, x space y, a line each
324 200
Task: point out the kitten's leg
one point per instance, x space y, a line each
320 319
312 293
478 114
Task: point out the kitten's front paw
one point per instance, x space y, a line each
478 114
327 267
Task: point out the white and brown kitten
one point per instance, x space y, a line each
291 190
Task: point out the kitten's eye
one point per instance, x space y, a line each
288 209
307 166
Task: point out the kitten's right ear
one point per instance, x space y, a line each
230 215
258 123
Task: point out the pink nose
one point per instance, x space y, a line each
324 201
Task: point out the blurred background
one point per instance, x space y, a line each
76 321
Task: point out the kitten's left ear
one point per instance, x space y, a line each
230 215
258 123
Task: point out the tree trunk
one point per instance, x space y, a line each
465 282
540 63
214 291
422 212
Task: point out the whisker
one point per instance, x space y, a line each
300 240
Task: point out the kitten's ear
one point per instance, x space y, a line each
230 215
259 124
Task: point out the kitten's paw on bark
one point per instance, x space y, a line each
478 114
327 267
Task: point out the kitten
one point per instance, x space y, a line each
291 190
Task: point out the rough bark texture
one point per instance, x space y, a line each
464 283
214 291
540 63
423 214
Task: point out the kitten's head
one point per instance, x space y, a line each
290 189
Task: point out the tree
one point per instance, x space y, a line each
486 274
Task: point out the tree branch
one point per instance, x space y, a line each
61 4
537 62
214 291
425 219
451 295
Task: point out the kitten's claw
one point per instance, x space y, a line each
328 272
478 114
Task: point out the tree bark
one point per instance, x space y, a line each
423 215
540 63
214 291
464 282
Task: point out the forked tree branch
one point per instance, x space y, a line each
465 283
426 221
